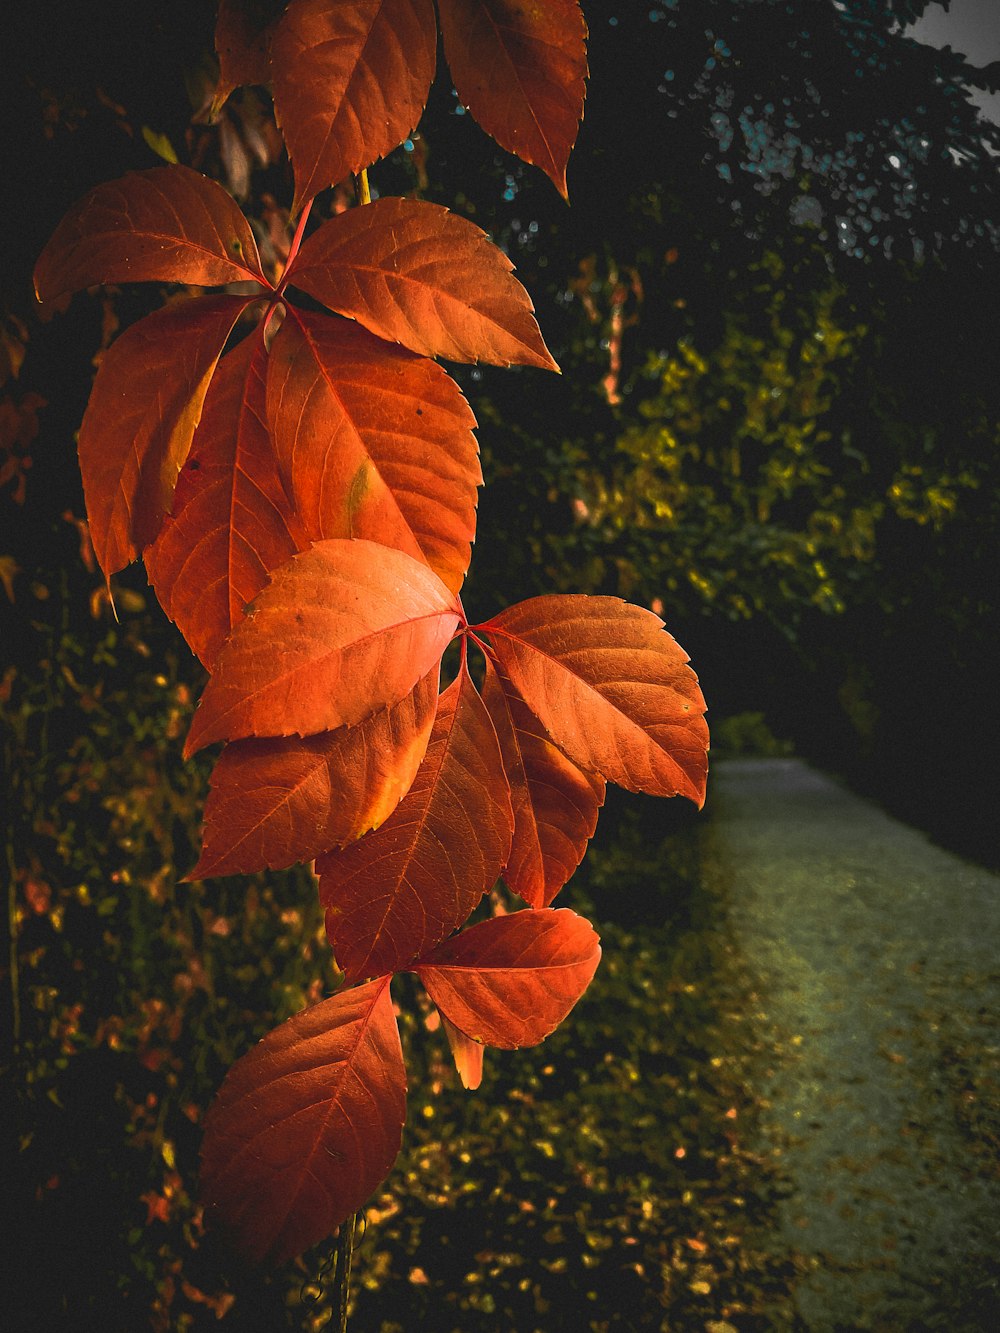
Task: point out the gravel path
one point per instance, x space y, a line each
874 963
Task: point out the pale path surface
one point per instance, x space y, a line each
875 963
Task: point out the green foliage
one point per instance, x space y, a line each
747 735
732 482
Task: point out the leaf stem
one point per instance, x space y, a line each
342 1274
484 647
293 249
361 186
13 960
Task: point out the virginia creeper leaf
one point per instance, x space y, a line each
350 82
555 803
285 799
232 522
306 1125
467 1054
519 66
169 224
397 892
373 442
243 47
418 275
143 411
611 687
511 980
341 630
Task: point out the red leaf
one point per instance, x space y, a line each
520 67
232 522
350 82
510 981
306 1125
555 802
611 687
243 49
343 629
374 442
170 224
467 1054
418 275
142 415
280 800
397 892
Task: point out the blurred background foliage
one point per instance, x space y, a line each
774 301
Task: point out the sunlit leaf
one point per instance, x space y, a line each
393 895
343 629
143 411
285 799
350 82
519 66
170 224
555 802
467 1054
611 687
511 980
306 1125
231 521
418 275
374 442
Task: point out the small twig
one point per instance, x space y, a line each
15 979
342 1275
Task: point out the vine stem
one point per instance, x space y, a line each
342 1274
293 250
13 961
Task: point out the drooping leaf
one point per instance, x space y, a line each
520 66
243 45
231 522
511 980
374 442
350 82
611 687
555 803
143 411
467 1054
285 799
418 275
169 224
397 892
341 630
306 1125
